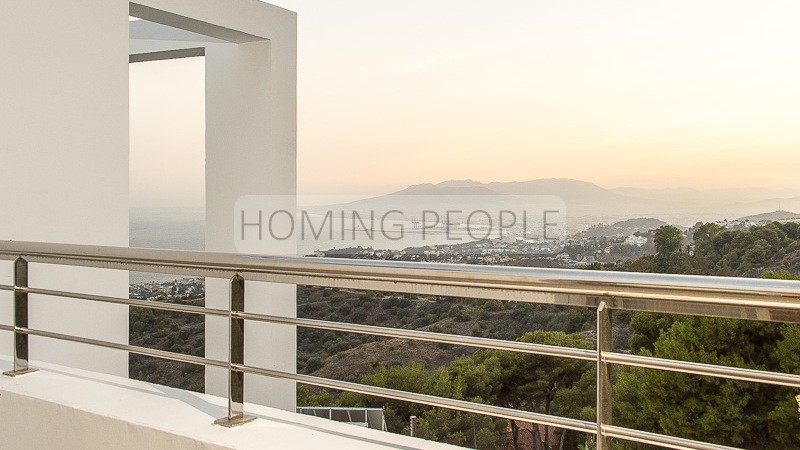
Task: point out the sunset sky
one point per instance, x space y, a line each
620 93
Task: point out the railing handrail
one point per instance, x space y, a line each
746 298
776 300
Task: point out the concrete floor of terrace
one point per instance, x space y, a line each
59 407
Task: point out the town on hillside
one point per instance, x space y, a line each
602 243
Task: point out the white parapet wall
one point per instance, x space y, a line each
73 409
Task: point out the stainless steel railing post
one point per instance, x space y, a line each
20 320
604 344
236 415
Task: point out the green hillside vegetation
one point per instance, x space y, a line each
721 252
484 318
173 332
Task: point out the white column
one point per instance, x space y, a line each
250 150
64 163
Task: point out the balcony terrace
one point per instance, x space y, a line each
65 260
764 300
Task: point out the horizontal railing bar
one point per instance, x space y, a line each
6 328
182 262
459 405
554 286
129 348
5 287
454 339
339 408
131 302
711 370
661 439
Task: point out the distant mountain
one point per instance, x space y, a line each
772 216
588 203
452 187
566 188
581 198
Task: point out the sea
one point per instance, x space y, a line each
174 229
184 229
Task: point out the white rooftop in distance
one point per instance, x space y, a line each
60 407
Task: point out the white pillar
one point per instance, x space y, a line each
64 163
250 150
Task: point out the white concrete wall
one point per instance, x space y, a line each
64 161
251 129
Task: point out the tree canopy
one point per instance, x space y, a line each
727 412
669 243
536 383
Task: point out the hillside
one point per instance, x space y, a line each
173 332
623 228
771 216
350 356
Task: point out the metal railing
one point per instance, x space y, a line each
766 300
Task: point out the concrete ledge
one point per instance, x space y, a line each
60 407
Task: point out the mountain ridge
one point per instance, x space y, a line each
772 216
592 202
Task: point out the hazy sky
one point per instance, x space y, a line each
167 157
622 93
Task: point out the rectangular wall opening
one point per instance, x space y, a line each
167 188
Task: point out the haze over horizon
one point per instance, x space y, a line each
620 93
